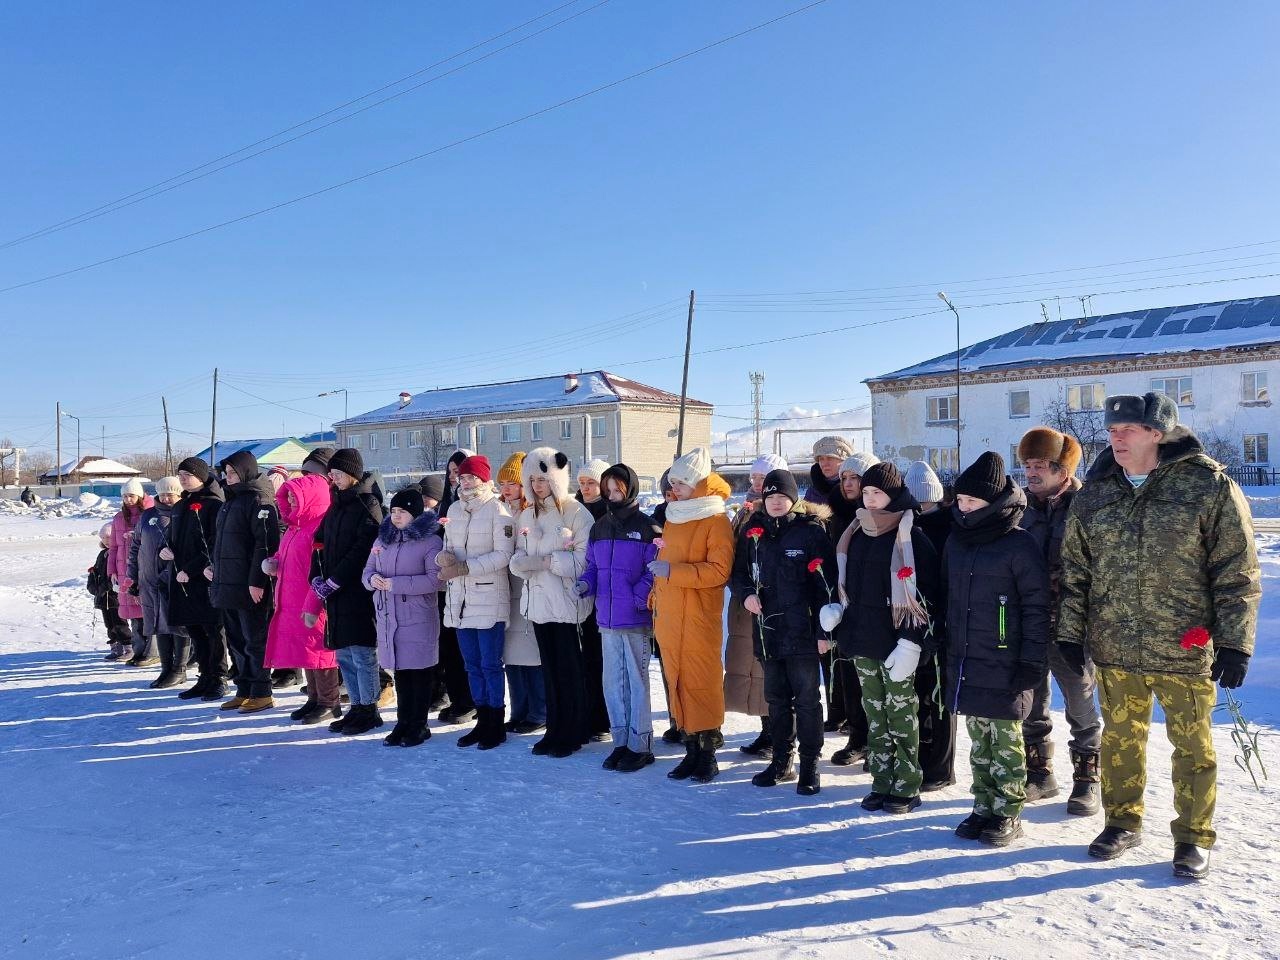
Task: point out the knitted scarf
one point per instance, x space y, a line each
905 596
698 508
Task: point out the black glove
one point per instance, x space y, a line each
1073 654
1028 676
1229 667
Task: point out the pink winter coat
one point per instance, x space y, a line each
290 643
122 526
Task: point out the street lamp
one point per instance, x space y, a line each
77 420
952 307
343 391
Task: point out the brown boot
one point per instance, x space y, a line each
235 703
254 704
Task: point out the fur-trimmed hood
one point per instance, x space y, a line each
546 462
801 510
422 527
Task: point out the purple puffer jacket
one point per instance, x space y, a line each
617 575
407 615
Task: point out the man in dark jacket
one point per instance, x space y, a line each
247 532
1050 459
192 533
1160 580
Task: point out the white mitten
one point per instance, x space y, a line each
830 615
903 660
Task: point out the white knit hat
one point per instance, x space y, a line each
832 447
168 485
692 468
922 483
769 462
132 486
859 463
594 469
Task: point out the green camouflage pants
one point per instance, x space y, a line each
1187 703
999 763
893 729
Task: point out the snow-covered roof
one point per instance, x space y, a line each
1198 326
267 452
97 467
541 393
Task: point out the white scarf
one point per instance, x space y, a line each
699 508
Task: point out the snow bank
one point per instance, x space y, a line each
84 506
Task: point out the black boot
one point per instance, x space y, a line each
496 732
684 768
632 761
476 733
1190 862
1085 799
971 827
1001 831
164 643
351 716
196 691
849 754
1041 784
285 678
672 735
303 710
706 768
778 771
1113 841
612 760
810 782
761 746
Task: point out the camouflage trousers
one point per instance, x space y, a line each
998 760
1187 703
893 729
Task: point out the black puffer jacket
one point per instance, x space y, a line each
192 533
998 609
246 533
790 593
1046 521
936 525
346 536
867 628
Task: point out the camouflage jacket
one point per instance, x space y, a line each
1142 567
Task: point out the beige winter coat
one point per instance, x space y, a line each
480 532
548 595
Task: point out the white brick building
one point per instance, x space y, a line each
1217 360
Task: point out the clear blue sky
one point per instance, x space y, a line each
853 146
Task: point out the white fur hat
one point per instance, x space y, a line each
859 463
692 468
133 486
594 469
546 462
168 485
768 463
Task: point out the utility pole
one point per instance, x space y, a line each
104 440
58 479
952 307
757 399
168 446
684 381
213 427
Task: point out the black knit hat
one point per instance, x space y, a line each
780 481
317 461
984 478
410 499
884 476
432 487
348 461
196 467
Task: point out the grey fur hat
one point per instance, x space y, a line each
1154 410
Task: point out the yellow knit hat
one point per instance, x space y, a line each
510 472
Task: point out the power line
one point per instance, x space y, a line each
417 157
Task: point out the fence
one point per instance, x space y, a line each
1255 476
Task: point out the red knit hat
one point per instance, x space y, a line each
478 466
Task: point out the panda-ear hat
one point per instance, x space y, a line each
550 463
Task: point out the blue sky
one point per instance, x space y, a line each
885 149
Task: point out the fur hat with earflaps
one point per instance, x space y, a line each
1154 410
1046 443
550 463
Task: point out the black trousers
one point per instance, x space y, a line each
454 671
210 640
413 697
247 640
561 655
854 712
937 725
593 676
792 690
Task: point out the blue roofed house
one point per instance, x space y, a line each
594 414
1216 360
274 451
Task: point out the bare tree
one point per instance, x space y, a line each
34 464
5 443
1219 445
1087 426
155 465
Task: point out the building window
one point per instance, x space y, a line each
1086 396
566 429
415 438
448 436
353 441
943 459
1177 389
481 434
395 440
1019 403
1255 449
511 433
535 430
1014 462
941 410
373 440
1255 388
597 426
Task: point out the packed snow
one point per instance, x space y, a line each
138 825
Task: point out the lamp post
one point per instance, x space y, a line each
77 420
952 307
343 391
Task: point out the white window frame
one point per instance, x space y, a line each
1019 416
934 405
566 429
394 441
448 436
1259 392
943 459
1252 439
511 433
1096 400
353 441
482 433
535 430
1161 385
415 439
373 439
598 427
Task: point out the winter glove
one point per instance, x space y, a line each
309 619
455 570
529 564
581 588
1073 654
752 605
902 661
271 566
1229 667
323 588
1029 676
660 568
133 592
830 615
446 558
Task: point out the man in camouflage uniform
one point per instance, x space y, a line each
1160 581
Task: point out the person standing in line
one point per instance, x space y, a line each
133 501
598 722
98 583
520 657
149 573
451 669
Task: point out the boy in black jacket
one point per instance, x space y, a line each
783 573
98 583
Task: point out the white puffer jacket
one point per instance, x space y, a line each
548 595
480 532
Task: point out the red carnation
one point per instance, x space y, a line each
906 573
195 508
815 564
1195 637
755 533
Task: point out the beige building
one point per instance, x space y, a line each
585 415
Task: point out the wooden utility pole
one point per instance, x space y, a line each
684 381
168 445
213 426
58 466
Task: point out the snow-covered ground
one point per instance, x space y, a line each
137 825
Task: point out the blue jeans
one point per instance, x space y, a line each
626 688
528 694
359 666
482 655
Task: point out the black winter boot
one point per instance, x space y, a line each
971 827
496 732
1041 784
164 644
1190 862
478 732
197 690
304 709
613 759
849 754
367 719
706 767
672 735
761 746
351 716
1085 799
632 761
1113 841
1001 831
684 768
778 771
810 782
